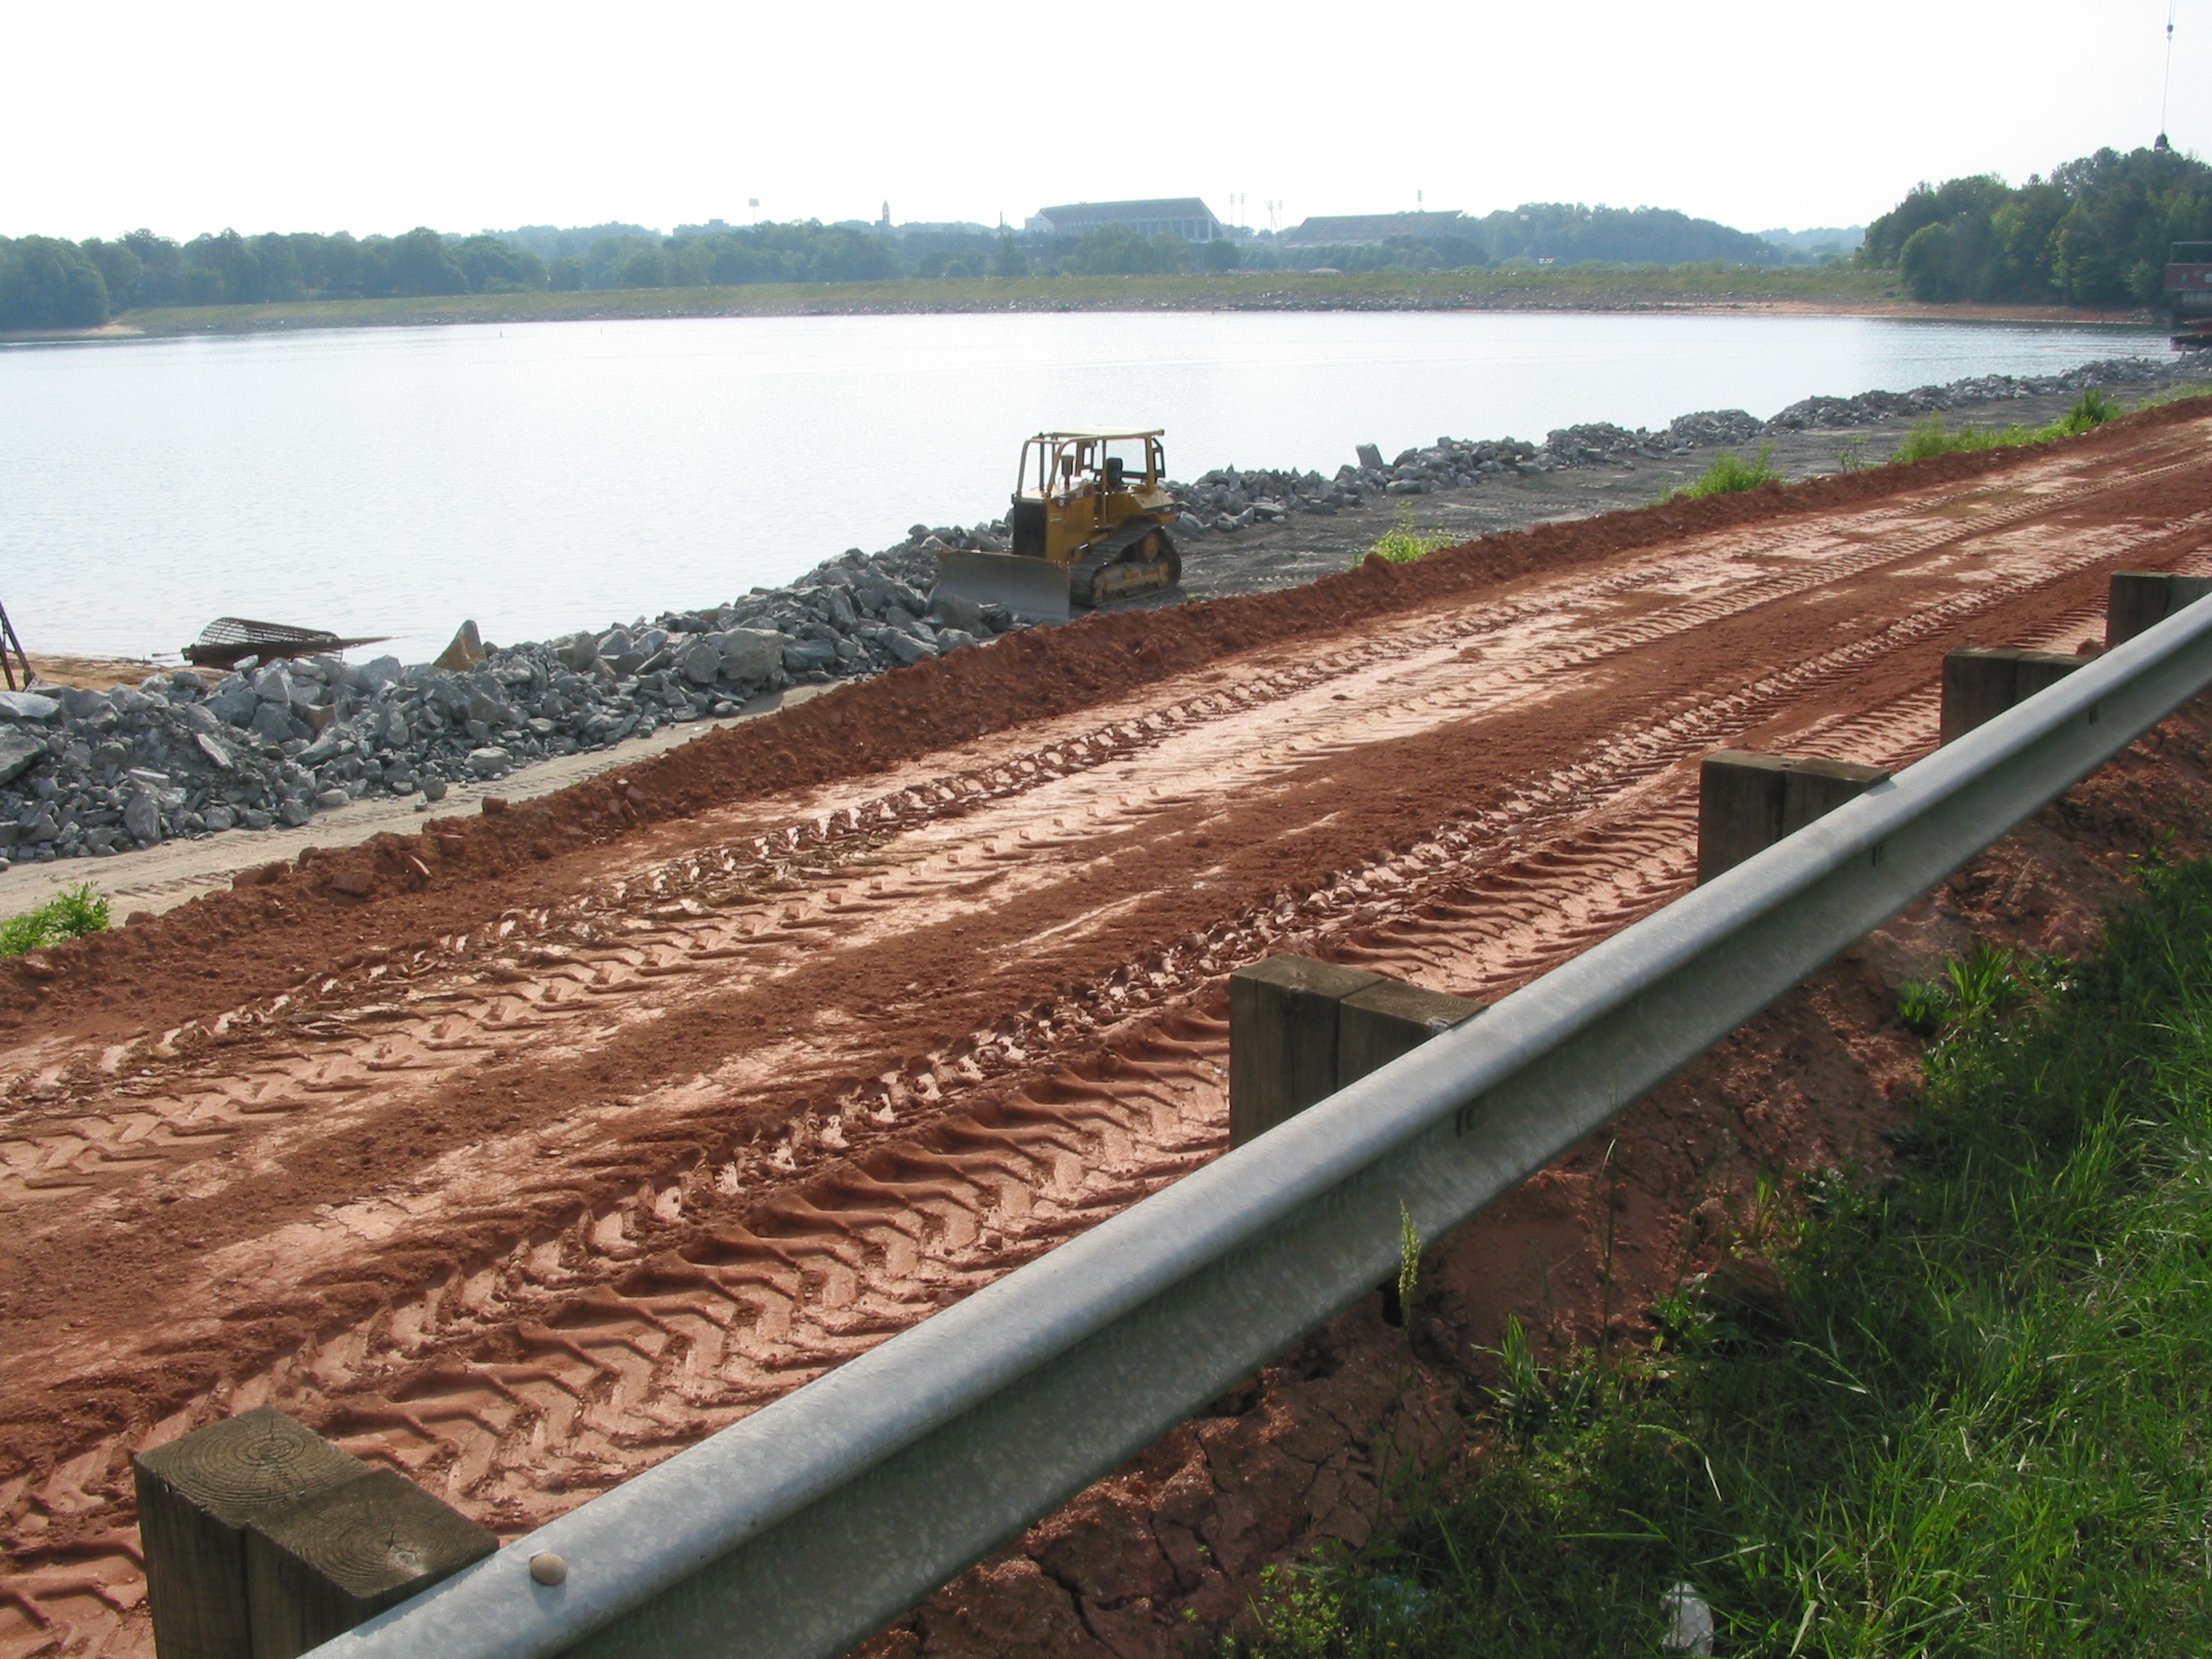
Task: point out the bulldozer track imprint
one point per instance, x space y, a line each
521 1319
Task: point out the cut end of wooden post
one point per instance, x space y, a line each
320 1567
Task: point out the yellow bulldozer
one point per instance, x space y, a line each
1089 521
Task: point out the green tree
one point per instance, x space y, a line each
221 269
564 276
420 264
161 265
2096 233
1220 254
494 264
1010 260
644 268
607 256
347 267
842 256
1122 250
1570 232
1929 263
46 282
121 271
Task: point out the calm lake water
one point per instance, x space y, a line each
552 476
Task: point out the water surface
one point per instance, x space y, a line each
549 476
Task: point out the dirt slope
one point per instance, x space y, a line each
523 1151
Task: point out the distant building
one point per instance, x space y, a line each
1184 217
1371 229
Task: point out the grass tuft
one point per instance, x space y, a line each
1953 1414
1402 544
1729 473
1931 437
71 913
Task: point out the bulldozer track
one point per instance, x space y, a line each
521 1322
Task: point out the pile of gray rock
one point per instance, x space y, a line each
90 773
1870 407
1228 501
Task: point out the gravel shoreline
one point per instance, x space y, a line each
96 774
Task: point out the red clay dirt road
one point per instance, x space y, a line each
523 1154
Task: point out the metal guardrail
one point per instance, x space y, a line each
804 1527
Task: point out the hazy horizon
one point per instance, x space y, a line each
265 119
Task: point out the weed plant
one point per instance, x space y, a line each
1402 544
71 913
1969 1422
1931 437
1729 473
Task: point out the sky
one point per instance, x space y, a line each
466 115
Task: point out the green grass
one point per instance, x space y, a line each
1729 473
1512 289
1402 544
71 913
1933 437
1970 1419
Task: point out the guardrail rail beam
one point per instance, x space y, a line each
802 1528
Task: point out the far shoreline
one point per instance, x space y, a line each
1695 291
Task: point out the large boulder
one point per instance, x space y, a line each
485 702
19 752
801 655
956 610
143 817
749 653
272 722
906 647
27 706
233 701
699 660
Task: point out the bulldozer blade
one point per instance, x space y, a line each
1033 589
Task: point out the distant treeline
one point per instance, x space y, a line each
46 282
2095 233
1567 233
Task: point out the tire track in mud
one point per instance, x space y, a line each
159 1129
522 1374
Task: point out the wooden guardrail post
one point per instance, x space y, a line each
1746 801
262 1540
1738 808
1298 1030
1282 1039
2140 600
318 1567
195 1498
1389 1018
1980 684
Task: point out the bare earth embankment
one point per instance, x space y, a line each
522 1152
